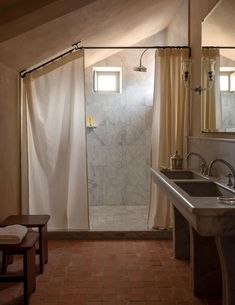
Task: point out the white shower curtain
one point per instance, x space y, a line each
54 130
169 127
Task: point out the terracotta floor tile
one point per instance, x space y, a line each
109 273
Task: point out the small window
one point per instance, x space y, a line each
232 82
107 80
224 82
227 79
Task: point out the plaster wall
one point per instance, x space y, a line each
177 30
9 143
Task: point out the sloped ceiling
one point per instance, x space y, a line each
102 22
219 27
17 16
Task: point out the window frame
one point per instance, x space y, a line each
116 71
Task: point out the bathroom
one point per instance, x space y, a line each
152 275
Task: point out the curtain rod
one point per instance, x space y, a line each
137 47
213 47
76 47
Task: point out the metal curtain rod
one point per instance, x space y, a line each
76 47
213 47
137 47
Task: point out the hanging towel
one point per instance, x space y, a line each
12 234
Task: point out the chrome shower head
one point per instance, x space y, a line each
141 68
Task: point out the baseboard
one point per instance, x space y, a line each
111 235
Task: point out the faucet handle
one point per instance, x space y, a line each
230 183
209 171
203 169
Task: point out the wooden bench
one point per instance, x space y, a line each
27 249
33 221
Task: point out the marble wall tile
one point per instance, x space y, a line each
96 155
116 175
115 155
115 115
135 155
135 116
136 195
97 112
114 195
96 137
148 116
136 176
148 137
212 149
95 185
135 96
115 135
119 148
227 110
135 136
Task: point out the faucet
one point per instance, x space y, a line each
230 183
203 166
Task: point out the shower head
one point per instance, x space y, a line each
141 68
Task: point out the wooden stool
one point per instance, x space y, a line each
33 221
27 249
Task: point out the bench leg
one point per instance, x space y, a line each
43 247
29 274
7 259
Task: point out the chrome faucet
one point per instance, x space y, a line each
203 166
230 176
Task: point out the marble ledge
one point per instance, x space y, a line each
206 138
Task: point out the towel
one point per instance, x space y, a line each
12 234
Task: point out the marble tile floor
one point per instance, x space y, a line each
119 218
108 273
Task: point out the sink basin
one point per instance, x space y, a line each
181 175
204 189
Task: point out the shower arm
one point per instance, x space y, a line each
142 56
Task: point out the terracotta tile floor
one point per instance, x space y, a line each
109 273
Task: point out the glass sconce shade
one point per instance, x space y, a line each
186 71
208 66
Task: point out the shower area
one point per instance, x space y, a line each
119 101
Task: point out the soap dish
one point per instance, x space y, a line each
227 200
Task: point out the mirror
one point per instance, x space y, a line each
218 99
218 102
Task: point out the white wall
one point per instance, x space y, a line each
177 31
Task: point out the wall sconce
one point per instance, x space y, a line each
208 67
